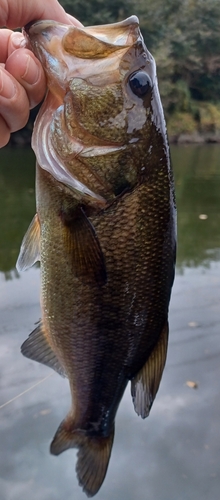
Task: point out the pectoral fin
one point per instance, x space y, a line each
145 384
36 347
82 243
30 247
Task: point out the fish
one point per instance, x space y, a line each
104 230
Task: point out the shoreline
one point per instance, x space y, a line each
22 138
194 138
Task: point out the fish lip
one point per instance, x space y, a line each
129 20
56 44
32 27
37 28
27 26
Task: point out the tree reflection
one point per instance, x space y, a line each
17 203
197 178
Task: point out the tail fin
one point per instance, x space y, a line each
93 455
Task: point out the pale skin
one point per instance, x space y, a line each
22 80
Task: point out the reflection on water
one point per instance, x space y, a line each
197 176
17 203
175 453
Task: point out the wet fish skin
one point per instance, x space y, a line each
106 224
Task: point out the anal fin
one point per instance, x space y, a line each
30 246
145 384
36 347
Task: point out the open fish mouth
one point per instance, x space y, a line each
117 34
80 63
66 51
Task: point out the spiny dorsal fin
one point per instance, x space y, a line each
145 384
36 347
93 455
81 242
30 246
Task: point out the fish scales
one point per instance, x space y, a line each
104 230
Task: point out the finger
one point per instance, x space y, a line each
14 103
4 133
16 14
74 21
5 36
25 67
16 41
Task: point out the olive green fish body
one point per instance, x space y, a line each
104 230
117 321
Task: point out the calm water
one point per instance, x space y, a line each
175 453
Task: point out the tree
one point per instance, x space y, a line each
98 11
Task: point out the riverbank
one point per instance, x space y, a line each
194 138
22 138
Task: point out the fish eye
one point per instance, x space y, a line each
140 83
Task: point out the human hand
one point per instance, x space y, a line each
22 80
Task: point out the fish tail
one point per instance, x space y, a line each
93 455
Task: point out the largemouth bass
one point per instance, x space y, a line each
104 230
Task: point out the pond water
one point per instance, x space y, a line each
175 453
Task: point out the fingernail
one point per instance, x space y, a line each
32 71
7 88
17 40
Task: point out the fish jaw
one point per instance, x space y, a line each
68 51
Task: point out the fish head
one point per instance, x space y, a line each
93 54
103 104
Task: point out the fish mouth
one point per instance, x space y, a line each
98 55
117 34
67 51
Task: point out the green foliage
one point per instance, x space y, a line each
188 56
180 123
209 117
92 12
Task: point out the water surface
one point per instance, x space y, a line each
175 453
